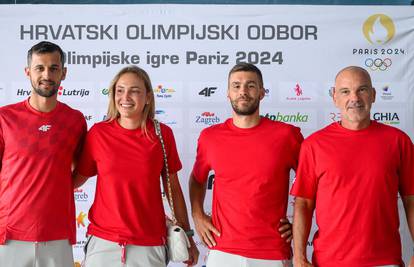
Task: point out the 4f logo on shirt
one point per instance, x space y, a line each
45 128
208 91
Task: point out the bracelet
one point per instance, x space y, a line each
190 233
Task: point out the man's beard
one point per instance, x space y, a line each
44 92
247 110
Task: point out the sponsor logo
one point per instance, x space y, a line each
331 91
386 93
267 92
45 128
80 244
105 91
80 195
80 219
163 92
335 116
378 29
390 118
207 91
165 117
207 118
74 92
298 90
22 92
88 117
378 64
289 118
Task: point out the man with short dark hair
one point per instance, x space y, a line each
39 140
251 157
351 172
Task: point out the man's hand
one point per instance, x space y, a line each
285 229
205 229
411 262
300 262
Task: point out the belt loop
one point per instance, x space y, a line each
123 252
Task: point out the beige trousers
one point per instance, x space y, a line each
218 258
101 252
56 253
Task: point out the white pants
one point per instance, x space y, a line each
56 253
218 258
101 252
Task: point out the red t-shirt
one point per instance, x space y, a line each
36 191
355 177
128 206
251 184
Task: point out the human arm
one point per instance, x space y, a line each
180 210
78 180
302 222
408 202
202 221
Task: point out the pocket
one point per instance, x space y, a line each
167 258
85 248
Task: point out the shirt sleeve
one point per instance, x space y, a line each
406 171
1 146
297 142
81 141
174 163
87 161
305 183
201 166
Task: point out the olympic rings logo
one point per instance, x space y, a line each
378 64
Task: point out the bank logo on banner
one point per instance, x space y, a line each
102 93
305 119
172 117
168 91
297 91
378 29
203 118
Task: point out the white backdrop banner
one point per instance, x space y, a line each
188 51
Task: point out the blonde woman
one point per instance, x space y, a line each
127 219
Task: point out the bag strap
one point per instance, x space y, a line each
167 172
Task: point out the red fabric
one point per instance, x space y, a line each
128 206
251 184
355 177
36 191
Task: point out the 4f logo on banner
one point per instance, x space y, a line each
45 128
207 91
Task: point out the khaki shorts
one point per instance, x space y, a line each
56 253
101 252
218 258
